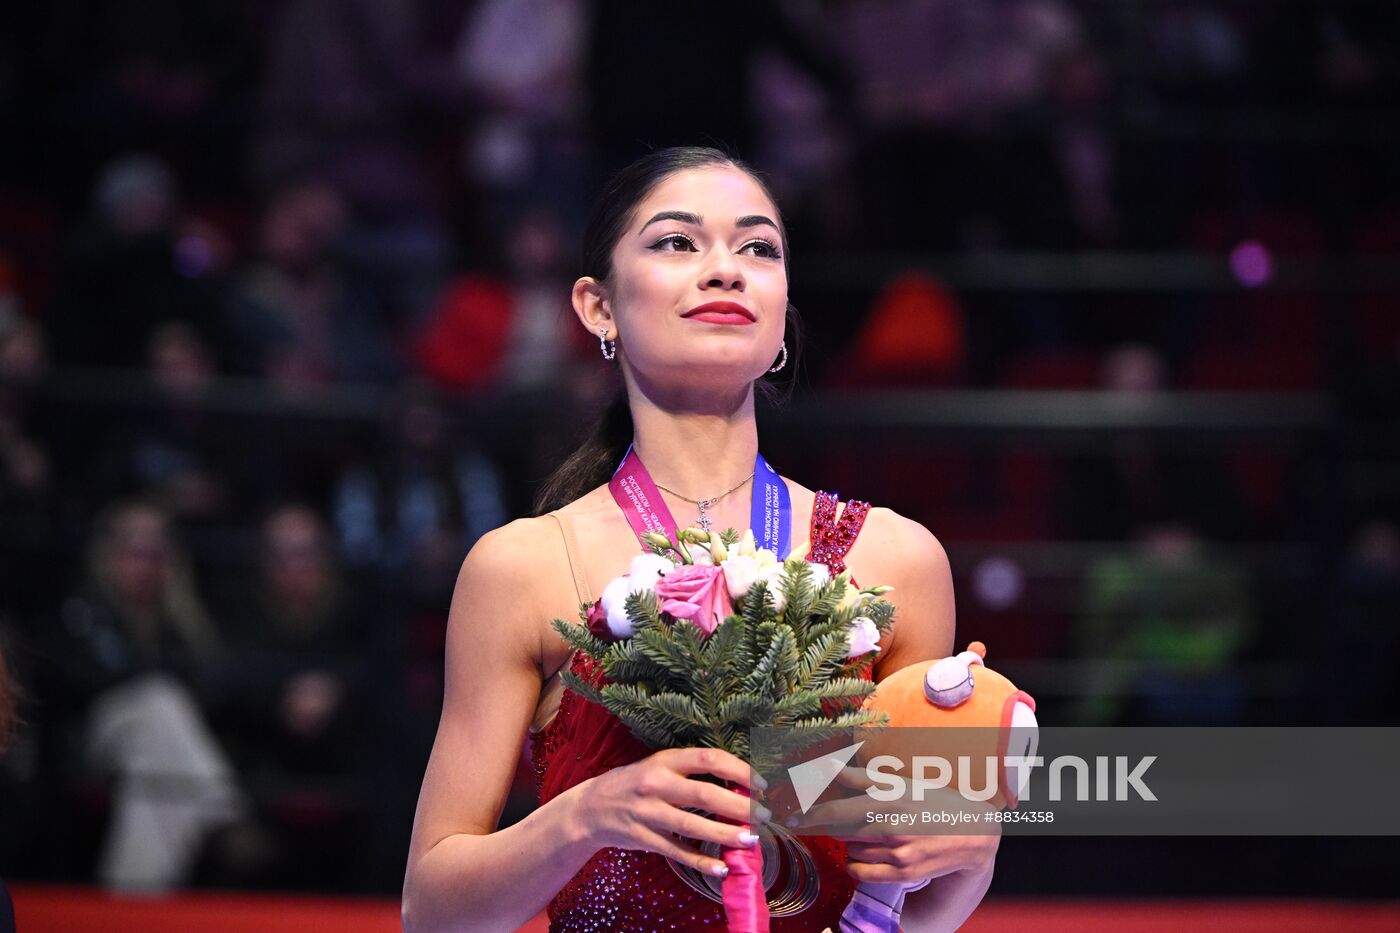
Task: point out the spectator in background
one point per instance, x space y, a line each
300 705
511 332
283 312
170 451
914 335
121 277
300 652
1163 625
416 511
121 669
297 318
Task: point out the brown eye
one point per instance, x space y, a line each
765 249
675 243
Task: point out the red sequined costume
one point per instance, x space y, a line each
629 891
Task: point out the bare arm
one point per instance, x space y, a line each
457 865
462 875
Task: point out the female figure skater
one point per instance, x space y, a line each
686 286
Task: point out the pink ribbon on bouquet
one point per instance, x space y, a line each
745 900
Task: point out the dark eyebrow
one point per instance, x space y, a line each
684 217
755 220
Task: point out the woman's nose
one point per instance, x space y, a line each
722 270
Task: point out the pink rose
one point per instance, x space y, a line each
697 593
598 622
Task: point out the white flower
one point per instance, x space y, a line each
820 575
615 595
741 572
648 567
862 637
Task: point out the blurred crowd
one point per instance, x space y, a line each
223 580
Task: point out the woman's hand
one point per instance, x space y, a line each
916 858
639 806
887 857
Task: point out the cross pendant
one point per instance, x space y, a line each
704 519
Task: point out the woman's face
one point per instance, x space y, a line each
138 558
699 286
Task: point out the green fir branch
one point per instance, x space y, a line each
580 638
823 656
799 592
768 672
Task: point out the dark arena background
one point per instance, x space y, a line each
1106 293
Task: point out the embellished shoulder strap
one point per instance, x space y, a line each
832 539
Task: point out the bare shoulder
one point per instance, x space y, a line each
512 553
900 552
900 544
517 574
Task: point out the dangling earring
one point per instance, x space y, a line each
603 341
783 361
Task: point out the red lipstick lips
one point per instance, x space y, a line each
721 312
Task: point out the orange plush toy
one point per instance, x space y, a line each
959 691
955 691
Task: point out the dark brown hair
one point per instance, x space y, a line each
595 460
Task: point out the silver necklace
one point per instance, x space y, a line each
704 504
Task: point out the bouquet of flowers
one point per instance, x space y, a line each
707 637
